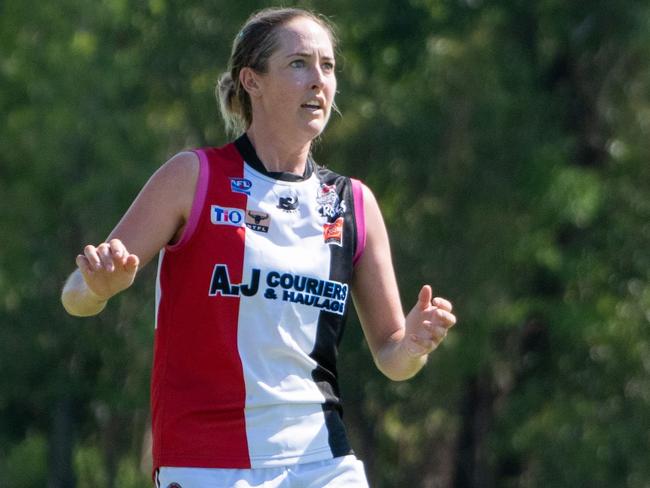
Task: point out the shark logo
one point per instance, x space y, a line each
288 201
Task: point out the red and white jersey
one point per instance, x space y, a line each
250 308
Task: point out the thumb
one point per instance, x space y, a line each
424 297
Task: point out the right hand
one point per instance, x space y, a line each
108 268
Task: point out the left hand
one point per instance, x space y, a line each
427 323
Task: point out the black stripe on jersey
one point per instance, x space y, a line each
330 325
336 434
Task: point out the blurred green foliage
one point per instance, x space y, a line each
507 142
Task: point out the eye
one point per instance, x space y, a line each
328 67
298 63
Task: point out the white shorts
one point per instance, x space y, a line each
340 472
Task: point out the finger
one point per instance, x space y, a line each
132 262
448 319
104 253
424 346
442 303
413 348
118 251
438 333
83 264
91 254
424 297
432 328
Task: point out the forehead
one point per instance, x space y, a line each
304 35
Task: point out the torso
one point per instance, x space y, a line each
251 307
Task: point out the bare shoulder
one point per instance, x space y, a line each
371 210
181 168
184 160
175 181
368 195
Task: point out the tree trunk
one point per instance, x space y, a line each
61 444
472 467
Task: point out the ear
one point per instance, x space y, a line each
249 79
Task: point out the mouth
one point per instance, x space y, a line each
312 105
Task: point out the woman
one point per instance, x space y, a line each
259 251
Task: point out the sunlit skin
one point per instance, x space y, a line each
292 101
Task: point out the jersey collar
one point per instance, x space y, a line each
247 151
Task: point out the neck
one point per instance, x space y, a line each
277 153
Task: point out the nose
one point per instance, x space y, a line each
318 78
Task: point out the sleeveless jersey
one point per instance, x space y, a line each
250 309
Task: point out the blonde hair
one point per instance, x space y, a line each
252 47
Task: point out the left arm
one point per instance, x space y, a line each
400 345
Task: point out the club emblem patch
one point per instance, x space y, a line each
333 232
329 204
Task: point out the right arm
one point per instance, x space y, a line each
157 217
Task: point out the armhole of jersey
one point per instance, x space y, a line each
360 218
197 204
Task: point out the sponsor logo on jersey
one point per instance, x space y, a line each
288 201
221 284
328 295
329 203
241 185
258 221
227 216
333 232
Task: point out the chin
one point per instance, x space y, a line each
317 127
313 130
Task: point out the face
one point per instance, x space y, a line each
296 93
